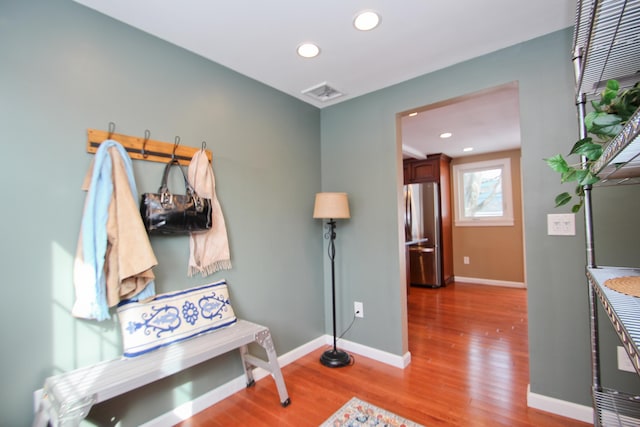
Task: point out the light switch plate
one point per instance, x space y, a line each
624 363
561 224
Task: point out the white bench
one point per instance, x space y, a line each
68 397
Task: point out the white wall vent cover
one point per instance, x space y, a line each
322 92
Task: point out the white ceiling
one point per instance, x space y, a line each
485 121
258 38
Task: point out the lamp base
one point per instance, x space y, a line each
335 358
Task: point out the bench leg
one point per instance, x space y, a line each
249 361
69 413
264 339
248 367
42 417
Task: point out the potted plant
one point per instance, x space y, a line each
610 113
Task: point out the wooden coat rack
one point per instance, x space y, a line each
145 148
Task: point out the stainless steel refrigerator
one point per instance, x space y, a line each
423 233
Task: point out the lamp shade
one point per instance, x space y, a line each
331 206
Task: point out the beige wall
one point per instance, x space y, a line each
495 253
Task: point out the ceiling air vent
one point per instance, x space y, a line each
322 92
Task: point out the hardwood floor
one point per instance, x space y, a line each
469 367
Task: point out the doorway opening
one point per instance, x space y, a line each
477 128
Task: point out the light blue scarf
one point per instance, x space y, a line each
94 223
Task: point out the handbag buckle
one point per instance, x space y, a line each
198 203
166 199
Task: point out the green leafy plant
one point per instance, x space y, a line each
609 115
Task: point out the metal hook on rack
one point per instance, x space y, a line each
112 129
147 135
204 145
175 145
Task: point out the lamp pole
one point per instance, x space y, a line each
333 358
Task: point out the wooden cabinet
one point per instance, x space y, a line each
435 168
427 170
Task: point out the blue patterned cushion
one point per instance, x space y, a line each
173 317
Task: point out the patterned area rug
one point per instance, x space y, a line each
357 413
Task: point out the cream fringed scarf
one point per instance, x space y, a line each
209 250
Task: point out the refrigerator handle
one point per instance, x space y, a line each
408 214
437 234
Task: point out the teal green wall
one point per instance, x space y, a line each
359 156
66 68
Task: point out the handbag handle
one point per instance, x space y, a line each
166 198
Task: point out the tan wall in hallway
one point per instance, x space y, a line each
495 253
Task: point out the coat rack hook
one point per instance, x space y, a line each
112 129
204 145
175 145
147 135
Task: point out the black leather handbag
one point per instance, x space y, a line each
167 213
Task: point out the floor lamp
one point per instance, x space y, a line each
332 206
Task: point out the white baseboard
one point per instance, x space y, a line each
559 407
490 282
372 353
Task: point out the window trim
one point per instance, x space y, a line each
507 194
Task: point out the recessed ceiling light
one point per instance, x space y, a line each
446 135
367 20
467 149
308 50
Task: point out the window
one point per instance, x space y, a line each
483 193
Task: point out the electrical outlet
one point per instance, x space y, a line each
358 309
466 260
